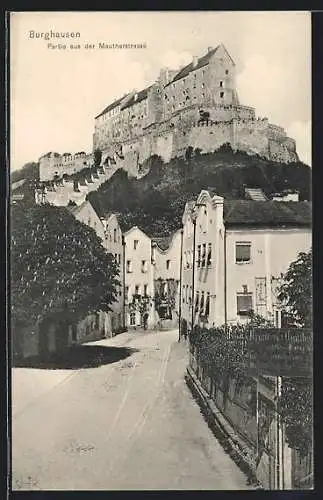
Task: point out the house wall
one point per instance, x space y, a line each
171 271
272 251
136 276
113 243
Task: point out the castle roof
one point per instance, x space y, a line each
202 61
112 106
267 213
136 97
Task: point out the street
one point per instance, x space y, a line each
122 420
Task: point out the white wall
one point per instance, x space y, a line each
137 276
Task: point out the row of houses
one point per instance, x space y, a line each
225 261
149 272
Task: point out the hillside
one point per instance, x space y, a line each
156 202
30 171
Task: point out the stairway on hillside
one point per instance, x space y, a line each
255 194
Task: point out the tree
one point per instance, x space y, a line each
296 289
59 267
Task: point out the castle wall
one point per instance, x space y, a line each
208 138
251 136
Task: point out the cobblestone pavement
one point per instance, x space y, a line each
129 423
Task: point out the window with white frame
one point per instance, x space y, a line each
243 251
129 266
209 255
135 244
168 264
137 289
197 301
202 303
144 266
203 255
207 304
198 255
244 303
132 319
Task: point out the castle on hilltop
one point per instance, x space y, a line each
194 107
198 107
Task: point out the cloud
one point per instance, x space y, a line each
261 85
302 133
174 60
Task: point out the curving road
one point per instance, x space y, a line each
129 423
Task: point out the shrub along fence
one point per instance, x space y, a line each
220 358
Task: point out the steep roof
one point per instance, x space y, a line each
141 95
267 213
112 106
202 61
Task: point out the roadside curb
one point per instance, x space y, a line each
232 443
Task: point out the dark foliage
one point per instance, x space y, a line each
167 187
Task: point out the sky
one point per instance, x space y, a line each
55 93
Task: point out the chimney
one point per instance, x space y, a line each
195 60
209 49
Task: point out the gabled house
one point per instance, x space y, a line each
139 279
238 250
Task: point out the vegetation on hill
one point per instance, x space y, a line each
156 202
30 172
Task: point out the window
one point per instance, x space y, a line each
145 290
115 236
127 293
116 257
221 84
132 319
221 94
183 294
209 255
137 289
226 72
135 244
244 303
119 259
143 266
129 266
197 300
243 251
207 304
203 254
198 255
190 296
202 302
167 264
